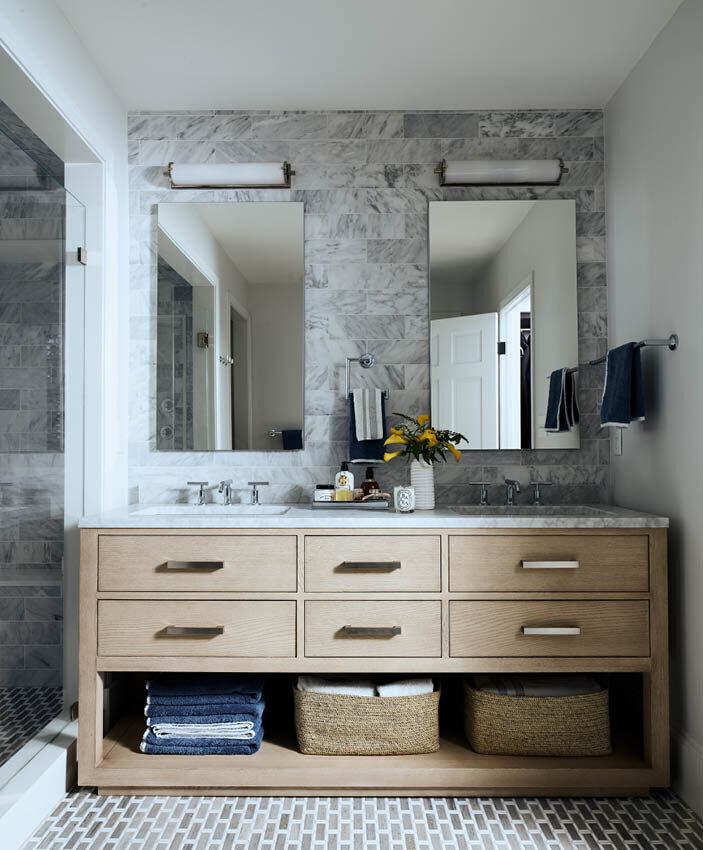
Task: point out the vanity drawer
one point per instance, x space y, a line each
246 629
372 563
585 628
373 629
194 562
550 562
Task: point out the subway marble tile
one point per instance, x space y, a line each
382 376
390 226
591 274
247 151
589 174
520 124
161 153
309 176
374 175
348 226
417 376
335 250
316 276
348 151
590 224
401 151
403 303
397 250
325 201
316 376
360 326
592 325
379 276
416 226
590 249
316 226
417 327
365 125
327 302
405 351
592 299
578 123
440 124
570 150
477 148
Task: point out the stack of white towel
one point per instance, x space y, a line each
365 687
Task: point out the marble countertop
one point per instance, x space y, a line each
303 516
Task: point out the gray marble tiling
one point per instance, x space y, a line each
365 179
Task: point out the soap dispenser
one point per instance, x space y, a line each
369 485
344 484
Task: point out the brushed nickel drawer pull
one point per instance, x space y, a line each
371 631
193 631
550 565
551 630
173 566
369 566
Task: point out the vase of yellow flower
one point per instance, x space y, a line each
415 438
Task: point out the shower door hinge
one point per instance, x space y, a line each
74 711
501 348
82 256
203 339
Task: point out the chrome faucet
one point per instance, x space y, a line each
513 486
226 488
255 491
537 495
483 499
201 491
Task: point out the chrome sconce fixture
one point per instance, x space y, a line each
501 172
230 175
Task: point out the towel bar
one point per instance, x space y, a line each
672 342
366 361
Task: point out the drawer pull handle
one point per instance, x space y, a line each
551 630
550 565
371 631
173 566
369 566
193 631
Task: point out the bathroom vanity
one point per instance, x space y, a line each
443 592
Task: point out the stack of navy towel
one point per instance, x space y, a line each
204 714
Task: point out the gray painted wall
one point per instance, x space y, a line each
655 214
365 179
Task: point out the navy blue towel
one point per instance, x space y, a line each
214 717
200 746
562 402
197 712
365 451
204 688
292 439
623 393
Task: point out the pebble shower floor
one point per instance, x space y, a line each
83 820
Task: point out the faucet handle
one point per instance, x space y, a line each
197 483
483 499
201 492
537 490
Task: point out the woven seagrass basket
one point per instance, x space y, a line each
537 726
341 725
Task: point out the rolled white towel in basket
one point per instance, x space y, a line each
406 688
347 687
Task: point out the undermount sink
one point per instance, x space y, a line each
212 510
532 510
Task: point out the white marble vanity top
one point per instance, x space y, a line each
303 516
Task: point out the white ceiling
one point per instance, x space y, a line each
366 54
264 241
464 235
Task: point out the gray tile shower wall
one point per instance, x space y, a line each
365 179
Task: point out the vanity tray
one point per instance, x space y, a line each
353 506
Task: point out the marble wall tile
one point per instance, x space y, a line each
365 179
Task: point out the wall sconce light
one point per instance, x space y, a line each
231 175
501 172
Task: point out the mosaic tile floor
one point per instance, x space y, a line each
83 820
23 712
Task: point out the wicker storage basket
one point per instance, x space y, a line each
337 724
537 726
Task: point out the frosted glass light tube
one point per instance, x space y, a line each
501 171
246 174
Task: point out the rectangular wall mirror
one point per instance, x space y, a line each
502 316
230 347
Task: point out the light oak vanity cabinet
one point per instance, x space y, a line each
388 600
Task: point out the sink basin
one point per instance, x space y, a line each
212 510
532 510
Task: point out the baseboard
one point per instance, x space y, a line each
687 769
48 770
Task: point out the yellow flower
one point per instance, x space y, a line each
390 455
394 438
430 436
454 450
424 419
397 431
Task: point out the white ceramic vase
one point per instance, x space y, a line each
422 479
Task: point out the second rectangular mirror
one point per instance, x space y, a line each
503 317
230 345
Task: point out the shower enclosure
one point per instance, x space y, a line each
41 226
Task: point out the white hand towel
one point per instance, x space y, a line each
349 687
239 731
406 688
368 414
